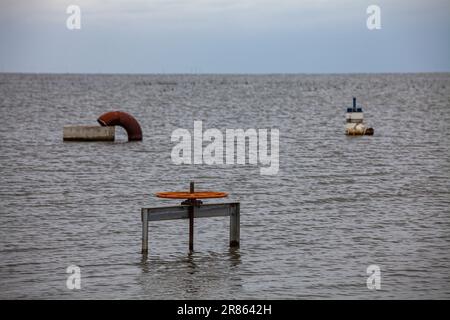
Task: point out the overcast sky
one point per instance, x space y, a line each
224 36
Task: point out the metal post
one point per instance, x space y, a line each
235 226
144 216
191 221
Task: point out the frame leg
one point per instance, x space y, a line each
144 232
235 226
191 228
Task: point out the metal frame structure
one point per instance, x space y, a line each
191 211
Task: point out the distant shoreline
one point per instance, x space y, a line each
226 74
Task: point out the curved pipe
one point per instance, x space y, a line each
125 120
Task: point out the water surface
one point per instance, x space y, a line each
338 204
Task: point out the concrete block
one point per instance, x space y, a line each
88 133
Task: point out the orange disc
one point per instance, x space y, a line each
194 195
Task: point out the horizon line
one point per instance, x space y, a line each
220 73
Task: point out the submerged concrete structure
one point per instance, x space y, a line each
106 131
88 133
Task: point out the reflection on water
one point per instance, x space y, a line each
191 276
337 205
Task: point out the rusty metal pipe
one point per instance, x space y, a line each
124 120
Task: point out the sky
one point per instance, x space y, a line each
224 36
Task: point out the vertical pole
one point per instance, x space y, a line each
235 225
191 221
144 218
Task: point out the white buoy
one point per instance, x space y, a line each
355 125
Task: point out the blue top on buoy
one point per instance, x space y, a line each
354 109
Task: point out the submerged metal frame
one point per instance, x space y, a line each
184 211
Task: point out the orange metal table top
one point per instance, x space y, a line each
192 195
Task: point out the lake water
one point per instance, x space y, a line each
337 205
